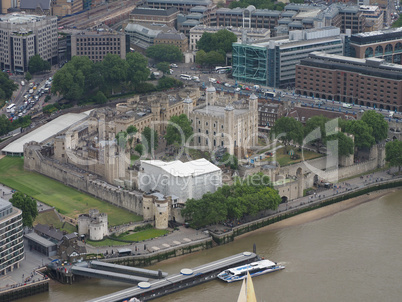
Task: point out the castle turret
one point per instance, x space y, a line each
210 95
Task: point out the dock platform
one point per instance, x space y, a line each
146 291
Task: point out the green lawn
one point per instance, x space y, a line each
66 200
143 235
50 218
284 159
138 236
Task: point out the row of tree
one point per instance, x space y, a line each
6 125
371 128
7 86
213 47
81 76
245 197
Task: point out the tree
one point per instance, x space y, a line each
377 122
164 67
164 53
361 131
168 82
28 207
229 161
246 196
100 98
345 144
114 69
315 130
28 76
7 86
200 57
138 71
140 149
37 64
131 130
221 40
178 130
287 129
121 139
393 153
150 139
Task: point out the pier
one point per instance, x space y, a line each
146 291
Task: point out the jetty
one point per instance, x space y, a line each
146 291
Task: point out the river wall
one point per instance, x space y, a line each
259 223
157 256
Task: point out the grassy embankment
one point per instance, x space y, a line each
137 236
66 200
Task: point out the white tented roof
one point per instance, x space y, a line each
180 169
44 132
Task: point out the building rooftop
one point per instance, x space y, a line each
49 231
19 18
34 4
183 2
217 110
171 36
45 132
143 10
179 169
39 239
4 204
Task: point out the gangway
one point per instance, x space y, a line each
128 270
95 273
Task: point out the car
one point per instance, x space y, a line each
218 82
237 89
174 65
227 84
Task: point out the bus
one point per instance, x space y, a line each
224 69
10 108
185 77
124 252
270 94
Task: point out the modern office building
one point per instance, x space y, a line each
374 17
23 36
370 82
272 63
97 44
183 6
154 15
144 35
386 44
11 240
351 18
252 34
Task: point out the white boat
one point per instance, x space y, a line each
254 269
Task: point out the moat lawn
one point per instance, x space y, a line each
135 236
66 200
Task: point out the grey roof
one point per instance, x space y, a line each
182 2
33 4
171 36
70 236
50 232
154 11
46 131
39 239
4 204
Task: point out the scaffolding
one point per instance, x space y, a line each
249 63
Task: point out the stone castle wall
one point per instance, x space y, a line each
34 161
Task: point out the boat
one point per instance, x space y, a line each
254 269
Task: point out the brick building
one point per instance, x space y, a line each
370 82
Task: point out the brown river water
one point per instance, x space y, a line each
353 255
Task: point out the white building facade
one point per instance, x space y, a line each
183 180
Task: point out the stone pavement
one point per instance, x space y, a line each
177 237
33 260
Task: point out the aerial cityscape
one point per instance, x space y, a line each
165 149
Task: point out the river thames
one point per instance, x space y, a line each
353 255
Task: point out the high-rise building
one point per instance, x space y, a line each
272 63
11 240
23 36
370 82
